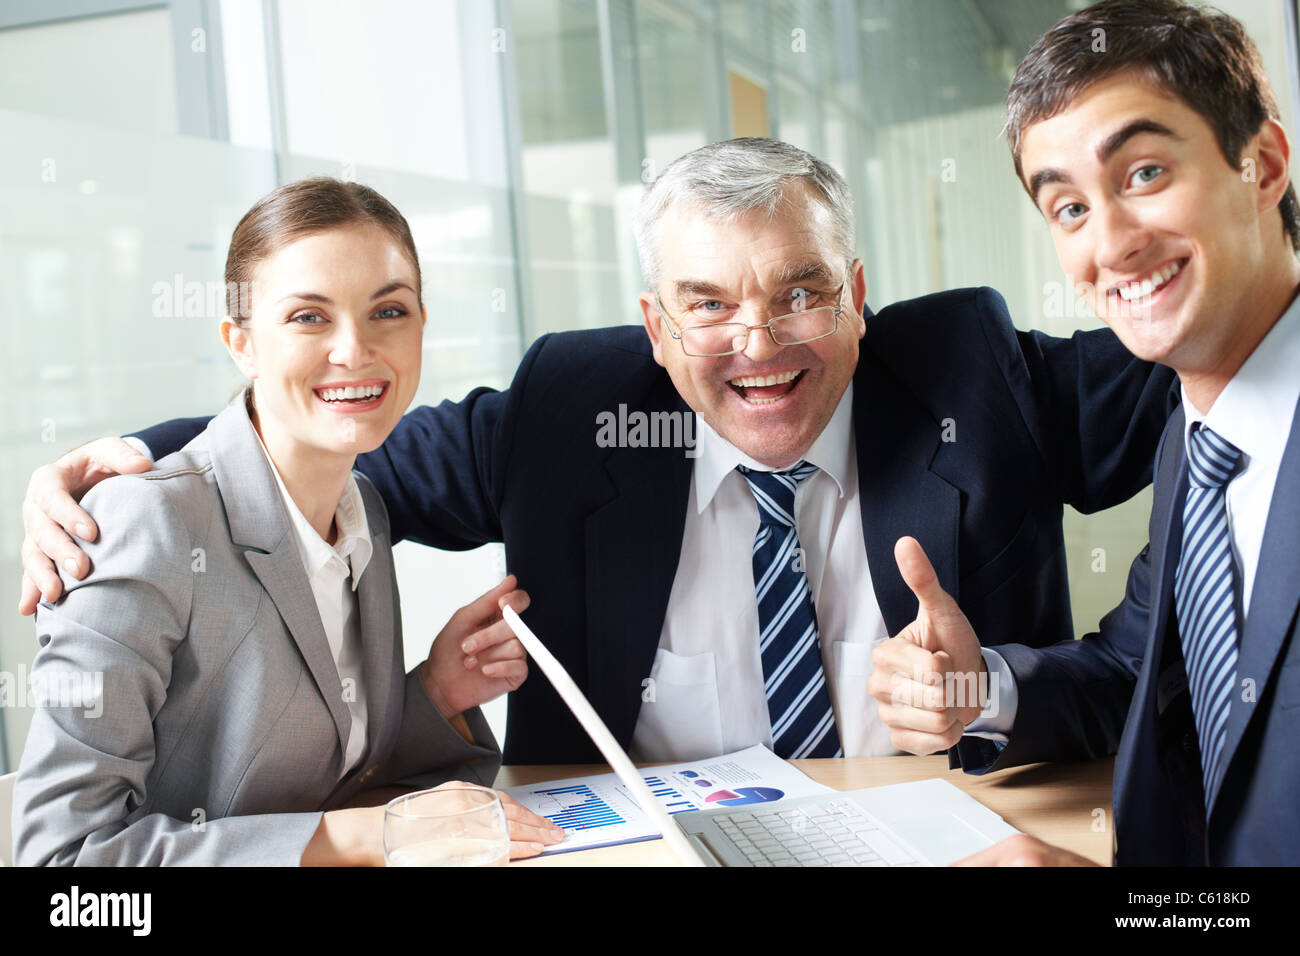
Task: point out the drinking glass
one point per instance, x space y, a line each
464 826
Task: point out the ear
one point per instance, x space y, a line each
858 285
1273 165
650 315
239 343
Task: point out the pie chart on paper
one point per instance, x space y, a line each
741 796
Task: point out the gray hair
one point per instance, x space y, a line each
731 179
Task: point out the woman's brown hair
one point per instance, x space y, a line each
304 208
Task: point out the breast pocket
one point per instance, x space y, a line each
861 732
1288 685
995 572
681 717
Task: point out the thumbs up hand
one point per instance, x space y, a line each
929 680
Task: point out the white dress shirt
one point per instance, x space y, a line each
707 694
329 568
1254 412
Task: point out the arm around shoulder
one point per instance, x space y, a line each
105 665
442 469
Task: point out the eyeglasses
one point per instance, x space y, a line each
728 338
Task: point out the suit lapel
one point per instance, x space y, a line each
634 540
909 497
379 640
1167 519
1274 597
1167 527
259 524
281 573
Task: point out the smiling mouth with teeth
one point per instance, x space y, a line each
766 389
1144 288
351 395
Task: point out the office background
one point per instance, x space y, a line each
516 136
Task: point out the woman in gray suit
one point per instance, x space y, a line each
242 607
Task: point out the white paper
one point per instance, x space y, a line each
599 811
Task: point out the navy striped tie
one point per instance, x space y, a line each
1205 595
798 701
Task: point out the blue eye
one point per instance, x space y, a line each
1068 214
306 315
707 309
802 298
1142 179
396 313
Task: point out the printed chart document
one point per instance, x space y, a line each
599 811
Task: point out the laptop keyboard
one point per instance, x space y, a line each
834 833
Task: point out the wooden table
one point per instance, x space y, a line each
1066 804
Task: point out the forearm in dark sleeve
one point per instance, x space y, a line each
435 471
170 436
442 470
1100 414
1072 697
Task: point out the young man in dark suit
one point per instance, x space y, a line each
1163 174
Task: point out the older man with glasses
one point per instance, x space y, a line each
730 593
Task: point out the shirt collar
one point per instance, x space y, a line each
718 458
1255 408
353 546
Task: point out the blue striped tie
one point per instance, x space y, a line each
1205 595
798 702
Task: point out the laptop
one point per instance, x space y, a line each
922 823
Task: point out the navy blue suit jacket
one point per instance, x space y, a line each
594 533
1074 700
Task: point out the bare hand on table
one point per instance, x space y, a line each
355 837
1024 850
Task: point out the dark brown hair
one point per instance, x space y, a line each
299 209
1200 56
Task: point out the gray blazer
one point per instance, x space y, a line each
223 720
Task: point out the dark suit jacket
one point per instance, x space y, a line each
1074 699
594 533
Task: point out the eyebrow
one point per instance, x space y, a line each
803 272
378 293
685 287
1105 150
788 275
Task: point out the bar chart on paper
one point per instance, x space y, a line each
673 801
575 808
